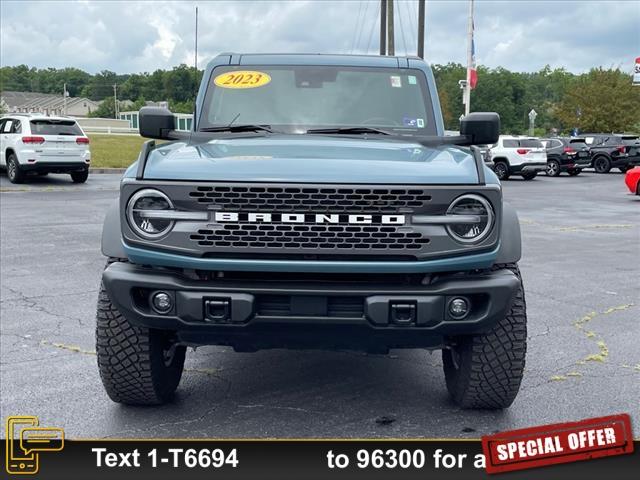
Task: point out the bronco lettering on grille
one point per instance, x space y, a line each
357 219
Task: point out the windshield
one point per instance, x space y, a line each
55 127
299 98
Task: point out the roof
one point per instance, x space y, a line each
14 100
36 116
315 59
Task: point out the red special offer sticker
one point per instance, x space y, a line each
558 443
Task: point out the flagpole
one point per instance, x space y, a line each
467 89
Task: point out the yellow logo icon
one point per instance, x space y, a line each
25 440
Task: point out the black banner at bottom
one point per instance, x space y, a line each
287 459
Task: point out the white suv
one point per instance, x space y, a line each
524 156
40 144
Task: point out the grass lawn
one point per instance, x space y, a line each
118 151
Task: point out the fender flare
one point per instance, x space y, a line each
510 237
112 233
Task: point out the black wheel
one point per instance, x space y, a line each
553 168
529 175
574 171
624 169
602 165
14 173
485 370
502 170
138 366
80 177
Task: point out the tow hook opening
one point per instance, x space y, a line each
217 310
402 313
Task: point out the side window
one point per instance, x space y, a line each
2 124
6 128
510 144
17 127
589 140
556 143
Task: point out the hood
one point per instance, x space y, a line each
311 158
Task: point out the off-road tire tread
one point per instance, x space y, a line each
493 362
129 370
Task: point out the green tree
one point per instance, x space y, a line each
107 109
600 101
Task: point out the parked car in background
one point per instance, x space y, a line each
485 152
609 150
39 144
569 155
523 156
632 179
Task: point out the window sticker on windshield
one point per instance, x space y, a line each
412 80
396 81
413 122
409 122
242 79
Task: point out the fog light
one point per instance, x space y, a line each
458 308
162 302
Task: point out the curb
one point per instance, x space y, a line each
93 171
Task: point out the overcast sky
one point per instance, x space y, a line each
128 37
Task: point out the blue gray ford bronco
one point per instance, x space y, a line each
315 203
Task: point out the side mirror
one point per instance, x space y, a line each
481 127
156 122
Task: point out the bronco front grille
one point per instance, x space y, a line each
341 237
311 199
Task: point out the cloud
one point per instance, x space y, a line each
140 36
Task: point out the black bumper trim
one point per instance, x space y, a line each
54 167
491 295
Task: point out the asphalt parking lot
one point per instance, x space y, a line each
581 269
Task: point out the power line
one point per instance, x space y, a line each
355 30
373 27
404 42
364 16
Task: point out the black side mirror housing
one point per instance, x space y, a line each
481 128
156 122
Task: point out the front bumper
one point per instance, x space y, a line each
250 315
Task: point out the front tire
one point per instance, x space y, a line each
138 366
484 371
553 168
602 165
574 171
624 169
14 173
530 175
80 177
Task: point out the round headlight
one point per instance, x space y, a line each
471 206
148 226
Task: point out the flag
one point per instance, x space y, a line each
473 73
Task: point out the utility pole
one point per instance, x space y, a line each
392 47
421 28
467 87
64 97
383 27
115 99
195 61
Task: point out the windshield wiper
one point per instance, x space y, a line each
238 128
348 130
